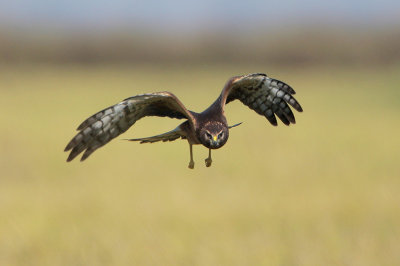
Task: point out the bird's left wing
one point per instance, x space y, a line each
107 124
266 96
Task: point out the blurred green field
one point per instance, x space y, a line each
322 192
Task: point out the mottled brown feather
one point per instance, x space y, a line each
107 124
266 96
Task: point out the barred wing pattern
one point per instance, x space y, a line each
266 96
107 124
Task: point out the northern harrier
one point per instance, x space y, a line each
266 96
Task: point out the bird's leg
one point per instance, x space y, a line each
209 160
191 163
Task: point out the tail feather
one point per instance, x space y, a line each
168 136
235 125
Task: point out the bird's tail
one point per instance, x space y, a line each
168 136
235 125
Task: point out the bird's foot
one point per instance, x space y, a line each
191 165
208 162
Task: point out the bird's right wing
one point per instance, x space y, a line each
107 124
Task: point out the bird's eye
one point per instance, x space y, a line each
208 135
220 135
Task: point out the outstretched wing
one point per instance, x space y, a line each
266 96
107 124
168 136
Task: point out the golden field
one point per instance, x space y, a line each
322 192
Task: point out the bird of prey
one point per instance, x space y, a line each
265 95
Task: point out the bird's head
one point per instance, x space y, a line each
214 135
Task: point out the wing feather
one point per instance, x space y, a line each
264 95
110 122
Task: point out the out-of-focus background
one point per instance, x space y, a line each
322 192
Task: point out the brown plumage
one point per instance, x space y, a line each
266 96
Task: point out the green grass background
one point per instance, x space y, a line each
322 192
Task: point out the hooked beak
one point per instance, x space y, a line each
214 142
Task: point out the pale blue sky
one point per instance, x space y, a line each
193 15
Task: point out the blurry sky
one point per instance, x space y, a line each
192 15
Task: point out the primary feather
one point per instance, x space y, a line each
109 123
264 95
